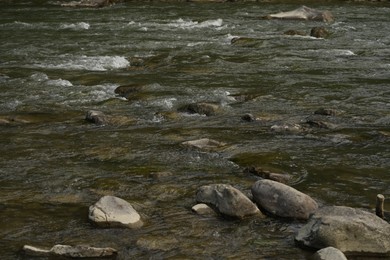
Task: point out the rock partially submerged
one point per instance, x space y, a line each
203 210
204 144
112 211
78 251
303 13
353 231
227 200
201 108
99 118
279 177
282 200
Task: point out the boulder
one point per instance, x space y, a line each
128 91
111 211
201 108
353 231
283 201
78 251
227 200
303 13
319 32
329 253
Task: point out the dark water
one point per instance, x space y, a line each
57 63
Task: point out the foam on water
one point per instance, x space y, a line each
75 26
42 77
91 63
189 24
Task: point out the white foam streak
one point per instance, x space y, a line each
75 26
188 24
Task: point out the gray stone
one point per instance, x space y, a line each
111 211
353 231
329 253
282 200
201 108
96 117
35 251
203 209
89 3
227 200
303 13
319 32
204 143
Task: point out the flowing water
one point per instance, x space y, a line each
57 63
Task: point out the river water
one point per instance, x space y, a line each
57 63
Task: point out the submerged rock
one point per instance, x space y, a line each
279 177
90 3
353 231
204 144
162 243
282 200
203 209
111 211
96 117
294 32
78 251
319 32
201 108
128 91
329 253
227 200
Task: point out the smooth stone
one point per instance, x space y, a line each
204 143
78 251
303 13
353 231
35 251
96 117
203 210
282 200
329 253
227 200
201 108
112 211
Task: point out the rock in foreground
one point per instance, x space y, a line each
111 211
282 200
227 200
329 253
353 231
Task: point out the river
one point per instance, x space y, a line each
57 63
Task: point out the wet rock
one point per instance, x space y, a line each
282 200
204 144
128 91
111 211
294 32
329 253
78 251
203 209
353 231
227 200
303 13
4 121
244 41
319 32
248 117
319 123
287 128
202 108
96 117
279 177
90 3
326 112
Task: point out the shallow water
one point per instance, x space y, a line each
57 63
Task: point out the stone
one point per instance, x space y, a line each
227 200
89 3
201 108
329 253
244 41
203 209
279 177
319 32
353 231
283 201
128 91
112 211
248 118
204 143
96 117
303 13
78 251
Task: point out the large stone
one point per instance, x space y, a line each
78 251
303 13
329 253
353 231
282 200
111 211
227 200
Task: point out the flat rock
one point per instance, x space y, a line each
203 209
227 200
353 231
112 211
282 200
78 251
204 143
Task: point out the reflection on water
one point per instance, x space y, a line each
57 63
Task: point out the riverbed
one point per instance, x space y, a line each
57 63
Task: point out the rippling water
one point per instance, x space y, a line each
57 63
